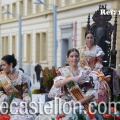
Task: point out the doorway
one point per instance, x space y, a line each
65 47
66 41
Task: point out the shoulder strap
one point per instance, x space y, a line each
7 85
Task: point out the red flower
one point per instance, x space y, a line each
4 117
91 115
60 116
107 115
117 117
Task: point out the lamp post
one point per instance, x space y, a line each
54 28
20 36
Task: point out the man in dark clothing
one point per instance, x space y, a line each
38 70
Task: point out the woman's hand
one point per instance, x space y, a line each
76 78
88 72
81 82
79 79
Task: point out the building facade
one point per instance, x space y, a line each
37 29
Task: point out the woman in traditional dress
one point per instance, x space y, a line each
66 86
70 73
14 87
91 60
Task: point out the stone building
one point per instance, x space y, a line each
37 29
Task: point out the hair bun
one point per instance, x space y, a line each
13 55
89 32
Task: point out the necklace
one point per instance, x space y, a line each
11 73
90 47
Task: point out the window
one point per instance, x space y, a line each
8 8
3 15
23 47
14 44
14 8
38 8
5 45
62 3
41 47
29 7
46 7
68 2
43 7
83 37
37 51
58 2
29 48
21 8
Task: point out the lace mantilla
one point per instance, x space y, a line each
97 51
22 78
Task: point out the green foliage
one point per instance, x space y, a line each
52 118
82 116
12 96
48 76
70 84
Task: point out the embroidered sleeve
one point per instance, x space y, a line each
98 66
99 51
99 55
56 92
25 88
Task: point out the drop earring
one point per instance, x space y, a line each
11 69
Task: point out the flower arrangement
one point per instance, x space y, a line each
4 117
59 117
113 114
110 113
48 76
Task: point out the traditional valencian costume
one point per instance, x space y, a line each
15 91
91 59
71 93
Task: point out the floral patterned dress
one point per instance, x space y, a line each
63 92
21 84
63 95
91 59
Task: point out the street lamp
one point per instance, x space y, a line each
20 36
54 28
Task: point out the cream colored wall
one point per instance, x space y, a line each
42 22
3 2
37 23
